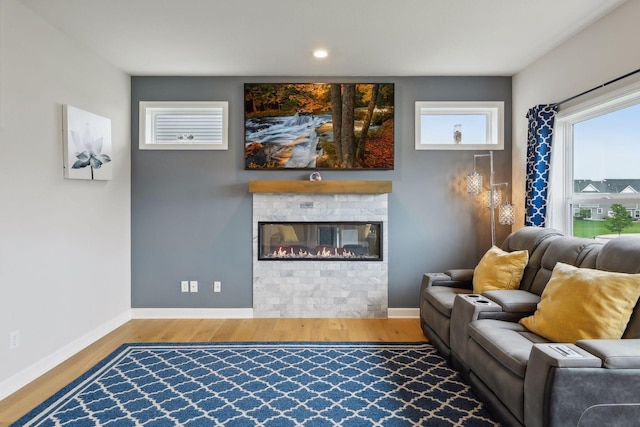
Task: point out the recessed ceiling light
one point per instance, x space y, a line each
320 53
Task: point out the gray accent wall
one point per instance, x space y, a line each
191 211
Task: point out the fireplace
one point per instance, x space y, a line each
342 216
324 241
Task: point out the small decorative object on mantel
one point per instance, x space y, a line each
315 176
87 145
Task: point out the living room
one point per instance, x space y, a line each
82 258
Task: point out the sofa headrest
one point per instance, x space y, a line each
528 238
621 254
570 250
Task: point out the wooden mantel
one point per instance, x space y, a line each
336 187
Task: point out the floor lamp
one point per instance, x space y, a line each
506 211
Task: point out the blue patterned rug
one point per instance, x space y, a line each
265 384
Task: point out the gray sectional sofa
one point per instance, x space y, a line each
525 379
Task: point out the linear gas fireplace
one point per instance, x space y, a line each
316 241
320 227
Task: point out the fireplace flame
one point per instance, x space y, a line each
321 253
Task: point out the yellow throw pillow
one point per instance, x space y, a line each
499 270
288 233
581 303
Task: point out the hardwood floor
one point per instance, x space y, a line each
203 330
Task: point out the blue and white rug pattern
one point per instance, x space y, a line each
266 384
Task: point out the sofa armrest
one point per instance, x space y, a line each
444 279
558 355
570 390
543 361
567 385
466 309
614 354
461 274
514 301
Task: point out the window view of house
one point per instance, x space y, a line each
606 173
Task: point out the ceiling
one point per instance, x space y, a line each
363 37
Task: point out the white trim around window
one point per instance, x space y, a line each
184 125
459 125
563 199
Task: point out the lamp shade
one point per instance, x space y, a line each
506 213
474 183
497 197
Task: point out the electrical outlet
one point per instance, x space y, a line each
217 286
184 286
193 286
14 340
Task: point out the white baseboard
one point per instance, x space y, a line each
400 313
234 313
24 377
191 313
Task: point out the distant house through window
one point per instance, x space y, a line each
598 166
589 189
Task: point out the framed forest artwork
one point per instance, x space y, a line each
319 126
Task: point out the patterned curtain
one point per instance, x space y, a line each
539 138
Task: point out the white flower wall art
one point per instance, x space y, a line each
87 145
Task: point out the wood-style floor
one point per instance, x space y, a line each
204 330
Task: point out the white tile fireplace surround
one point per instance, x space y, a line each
325 288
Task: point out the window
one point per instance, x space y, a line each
183 125
595 165
459 125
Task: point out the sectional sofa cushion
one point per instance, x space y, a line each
499 270
582 303
507 342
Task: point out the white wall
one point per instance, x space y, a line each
603 51
65 273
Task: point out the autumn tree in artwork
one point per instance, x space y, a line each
367 122
285 99
350 148
336 118
348 125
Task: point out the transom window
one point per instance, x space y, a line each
183 125
597 166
